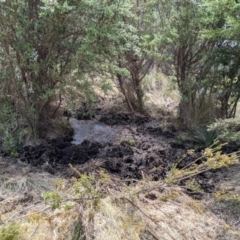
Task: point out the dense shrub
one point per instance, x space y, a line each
227 130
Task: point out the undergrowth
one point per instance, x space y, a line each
12 232
10 135
210 158
227 130
94 206
229 197
204 137
85 192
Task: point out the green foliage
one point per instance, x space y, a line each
201 49
193 185
229 197
128 142
85 190
10 133
204 137
138 57
78 231
55 199
225 57
227 130
11 232
50 47
84 194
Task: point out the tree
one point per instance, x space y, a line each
138 58
187 56
47 46
225 70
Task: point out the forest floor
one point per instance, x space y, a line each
137 152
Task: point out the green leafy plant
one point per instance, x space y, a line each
11 232
204 137
48 48
54 198
10 134
227 130
84 194
193 185
228 197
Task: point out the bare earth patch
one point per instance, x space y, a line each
135 204
146 210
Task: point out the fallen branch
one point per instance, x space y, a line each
12 217
34 232
124 198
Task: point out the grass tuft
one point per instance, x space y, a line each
11 232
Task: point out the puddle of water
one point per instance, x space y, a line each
92 131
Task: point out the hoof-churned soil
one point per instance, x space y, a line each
132 147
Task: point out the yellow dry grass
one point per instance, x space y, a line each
132 212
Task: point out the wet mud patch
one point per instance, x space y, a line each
112 118
125 161
150 166
60 151
156 131
134 148
92 131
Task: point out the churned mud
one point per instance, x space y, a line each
131 148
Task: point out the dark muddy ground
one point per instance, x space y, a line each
129 147
132 147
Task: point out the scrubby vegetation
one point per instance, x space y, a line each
156 85
227 130
59 52
210 158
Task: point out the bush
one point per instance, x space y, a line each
227 130
11 232
204 137
10 135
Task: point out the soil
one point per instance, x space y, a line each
130 147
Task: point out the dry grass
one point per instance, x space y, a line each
161 93
37 183
144 215
148 210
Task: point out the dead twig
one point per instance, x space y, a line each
35 230
12 217
124 198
